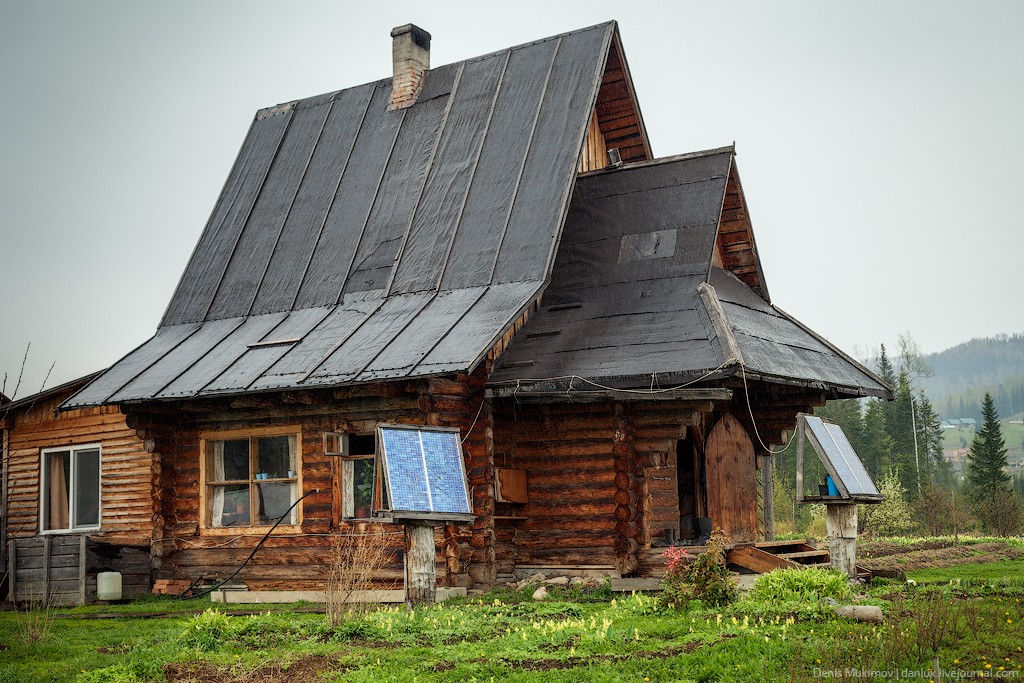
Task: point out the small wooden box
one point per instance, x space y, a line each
509 485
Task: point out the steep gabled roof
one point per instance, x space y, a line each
351 243
637 302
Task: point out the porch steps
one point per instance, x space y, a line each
764 556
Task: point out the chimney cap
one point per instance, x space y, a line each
419 36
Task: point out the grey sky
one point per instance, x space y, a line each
879 145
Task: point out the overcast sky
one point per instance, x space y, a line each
879 143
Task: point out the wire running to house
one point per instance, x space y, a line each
207 591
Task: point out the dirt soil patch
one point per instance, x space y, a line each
932 554
305 670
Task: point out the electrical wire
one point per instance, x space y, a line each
207 591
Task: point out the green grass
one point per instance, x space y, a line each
505 636
1013 569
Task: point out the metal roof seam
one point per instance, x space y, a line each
426 175
472 175
581 136
526 157
396 336
334 197
287 213
340 342
369 210
248 215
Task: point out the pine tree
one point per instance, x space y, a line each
929 437
876 444
985 462
885 370
900 426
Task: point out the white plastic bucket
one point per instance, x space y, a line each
108 586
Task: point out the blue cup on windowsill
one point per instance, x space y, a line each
833 490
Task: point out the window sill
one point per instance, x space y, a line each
65 532
283 529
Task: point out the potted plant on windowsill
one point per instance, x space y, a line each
364 493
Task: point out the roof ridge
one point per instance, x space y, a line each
630 165
326 97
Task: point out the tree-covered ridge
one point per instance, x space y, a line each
968 370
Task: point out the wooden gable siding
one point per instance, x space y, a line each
299 558
735 249
618 113
595 152
126 474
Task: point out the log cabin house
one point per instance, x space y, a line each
488 245
76 499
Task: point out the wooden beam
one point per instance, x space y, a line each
420 567
767 497
757 560
551 392
81 569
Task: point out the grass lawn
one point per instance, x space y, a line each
506 636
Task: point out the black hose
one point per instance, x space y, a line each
207 591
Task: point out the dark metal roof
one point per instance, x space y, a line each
28 401
635 302
382 243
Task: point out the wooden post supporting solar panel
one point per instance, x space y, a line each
420 567
841 521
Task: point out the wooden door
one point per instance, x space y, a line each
732 480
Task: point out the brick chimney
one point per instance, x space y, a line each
410 51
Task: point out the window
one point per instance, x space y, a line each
251 479
358 467
71 488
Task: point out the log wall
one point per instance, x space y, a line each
600 481
299 557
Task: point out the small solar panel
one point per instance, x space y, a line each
425 471
839 458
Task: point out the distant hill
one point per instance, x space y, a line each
965 372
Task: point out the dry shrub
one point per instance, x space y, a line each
355 560
34 620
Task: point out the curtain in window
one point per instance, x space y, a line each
57 507
218 491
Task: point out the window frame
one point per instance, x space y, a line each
72 488
345 456
206 439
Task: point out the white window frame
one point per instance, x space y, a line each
72 488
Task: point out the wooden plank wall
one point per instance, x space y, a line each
126 472
299 558
50 569
735 249
595 153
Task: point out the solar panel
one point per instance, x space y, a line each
424 471
839 458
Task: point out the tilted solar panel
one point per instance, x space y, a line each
424 471
838 456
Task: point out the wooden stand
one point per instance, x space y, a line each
420 568
841 521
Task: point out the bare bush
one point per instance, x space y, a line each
34 620
355 560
